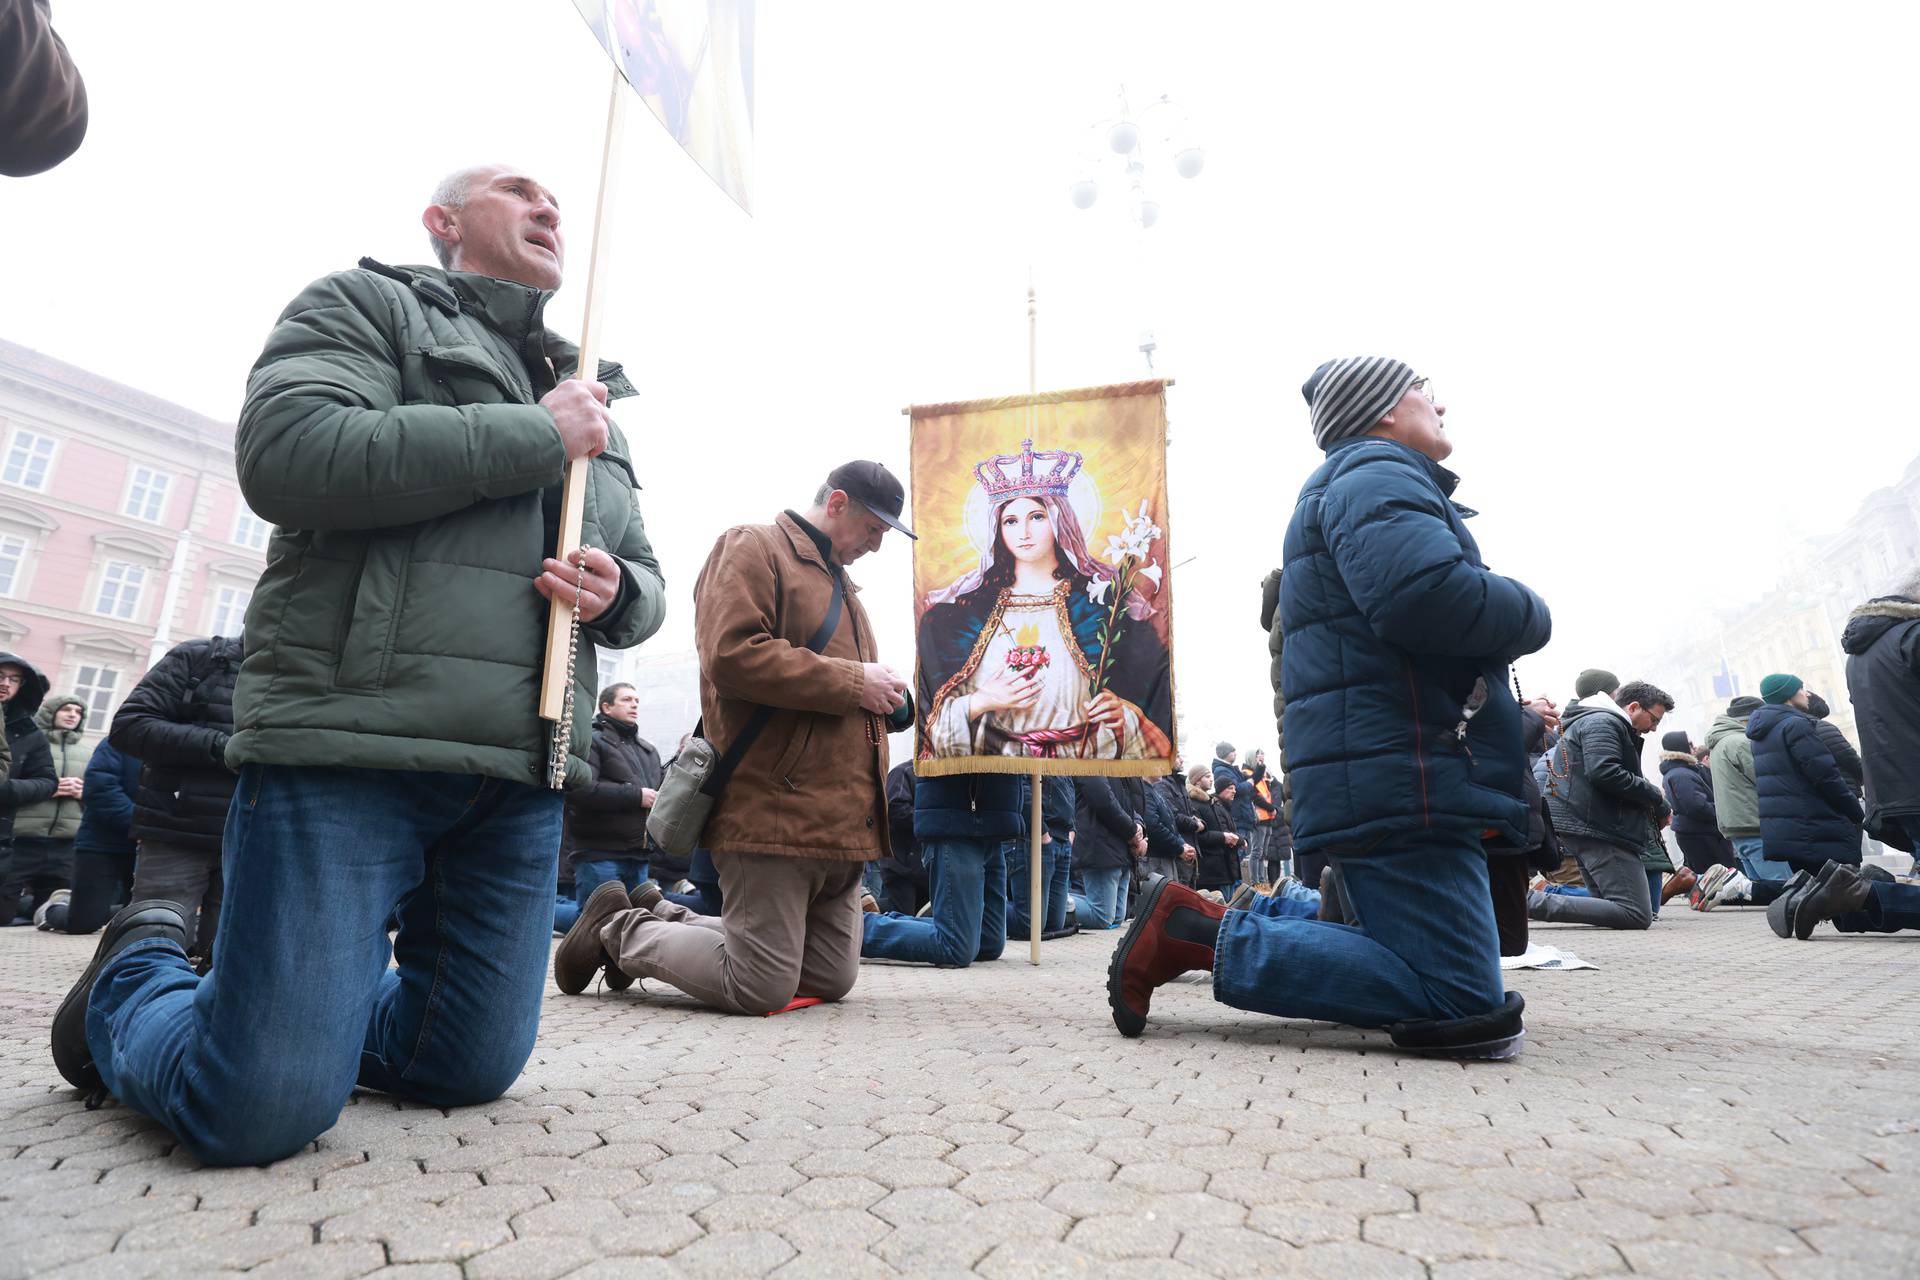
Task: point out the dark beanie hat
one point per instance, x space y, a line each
1777 688
1743 706
1817 706
1349 397
1676 740
1593 680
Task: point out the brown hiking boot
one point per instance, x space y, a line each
1172 933
580 956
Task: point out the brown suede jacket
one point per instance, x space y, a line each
814 783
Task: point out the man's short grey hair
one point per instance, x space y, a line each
453 192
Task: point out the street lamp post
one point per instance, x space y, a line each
1139 141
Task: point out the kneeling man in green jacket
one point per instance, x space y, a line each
406 429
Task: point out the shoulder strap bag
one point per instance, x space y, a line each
699 774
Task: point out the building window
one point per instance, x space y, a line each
95 686
608 669
229 611
13 557
250 531
120 585
29 459
147 494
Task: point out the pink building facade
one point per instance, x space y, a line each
122 529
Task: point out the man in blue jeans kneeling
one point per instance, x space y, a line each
406 431
965 825
1403 748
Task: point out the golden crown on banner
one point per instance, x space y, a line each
1027 482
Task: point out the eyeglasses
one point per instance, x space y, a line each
1425 387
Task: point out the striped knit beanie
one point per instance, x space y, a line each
1350 396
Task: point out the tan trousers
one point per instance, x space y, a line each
788 927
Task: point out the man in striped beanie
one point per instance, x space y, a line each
1404 749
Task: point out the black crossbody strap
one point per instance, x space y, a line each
758 721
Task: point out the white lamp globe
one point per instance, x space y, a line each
1189 162
1083 193
1146 213
1124 136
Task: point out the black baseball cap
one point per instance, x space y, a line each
875 488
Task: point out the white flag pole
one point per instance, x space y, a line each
554 674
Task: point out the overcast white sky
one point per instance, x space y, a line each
1658 258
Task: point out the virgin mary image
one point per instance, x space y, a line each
1043 650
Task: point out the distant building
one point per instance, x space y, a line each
1796 627
122 529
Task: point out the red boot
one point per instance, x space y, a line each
1172 933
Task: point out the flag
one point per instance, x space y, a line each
1043 601
691 62
1725 684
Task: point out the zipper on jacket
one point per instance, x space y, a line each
1419 743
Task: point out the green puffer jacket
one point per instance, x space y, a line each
391 431
1736 793
58 817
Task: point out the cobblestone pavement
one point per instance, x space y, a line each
1710 1102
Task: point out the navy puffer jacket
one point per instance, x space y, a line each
970 806
1689 794
1808 813
1395 632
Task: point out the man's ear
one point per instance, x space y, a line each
440 224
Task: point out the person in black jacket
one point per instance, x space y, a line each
1882 640
1604 809
1108 837
1510 863
1056 830
1844 756
32 777
605 837
103 847
1809 815
176 722
1689 792
1173 790
903 876
966 825
1217 842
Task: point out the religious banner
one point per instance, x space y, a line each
691 62
1043 607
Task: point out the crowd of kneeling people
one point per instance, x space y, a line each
340 843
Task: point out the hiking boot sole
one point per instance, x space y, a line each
1131 1024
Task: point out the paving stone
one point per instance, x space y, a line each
995 1126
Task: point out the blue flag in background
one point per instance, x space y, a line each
1725 684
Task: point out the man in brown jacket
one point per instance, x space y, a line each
806 809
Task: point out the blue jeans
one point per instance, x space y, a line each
591 870
1294 902
1019 881
1755 864
1105 903
566 909
969 917
704 900
1892 907
1425 947
255 1060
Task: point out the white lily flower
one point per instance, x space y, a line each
1097 590
1151 571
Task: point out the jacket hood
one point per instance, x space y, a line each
1768 718
1679 759
33 686
618 726
1874 619
1598 704
1723 728
1195 793
51 707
